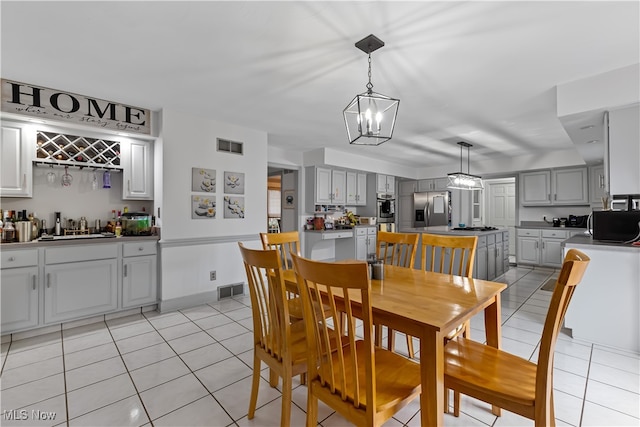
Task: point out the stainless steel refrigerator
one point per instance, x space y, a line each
431 208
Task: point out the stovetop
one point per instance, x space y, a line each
485 228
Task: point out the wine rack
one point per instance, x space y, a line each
64 149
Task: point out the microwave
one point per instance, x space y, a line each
616 226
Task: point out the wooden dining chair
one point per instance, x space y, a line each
395 249
277 342
365 384
448 255
285 243
508 381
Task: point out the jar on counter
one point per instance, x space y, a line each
8 232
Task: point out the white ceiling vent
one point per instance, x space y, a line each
228 146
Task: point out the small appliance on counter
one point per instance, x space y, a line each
136 224
616 226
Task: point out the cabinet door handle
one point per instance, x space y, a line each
125 270
549 196
48 280
543 244
24 180
601 181
141 248
34 282
555 197
12 259
536 245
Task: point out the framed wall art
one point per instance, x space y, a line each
233 207
203 207
234 183
203 180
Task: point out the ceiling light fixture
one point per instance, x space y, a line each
461 180
370 117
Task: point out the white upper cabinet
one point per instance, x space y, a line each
356 188
597 185
386 184
624 151
570 186
554 187
323 186
436 184
407 188
137 162
330 186
535 188
17 147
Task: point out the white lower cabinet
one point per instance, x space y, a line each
139 274
360 246
540 247
80 289
19 298
19 289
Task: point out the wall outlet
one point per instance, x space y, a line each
212 275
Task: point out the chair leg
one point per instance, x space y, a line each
285 416
391 339
410 346
456 403
303 378
255 384
446 400
312 409
378 336
273 378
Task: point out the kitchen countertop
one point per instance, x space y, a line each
79 241
587 242
443 229
544 225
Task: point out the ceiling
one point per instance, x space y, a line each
481 72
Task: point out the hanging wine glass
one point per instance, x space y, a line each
67 179
51 176
94 180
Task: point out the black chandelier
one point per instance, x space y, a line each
370 117
464 181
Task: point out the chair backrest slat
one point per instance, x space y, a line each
397 249
448 254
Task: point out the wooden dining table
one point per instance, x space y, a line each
428 306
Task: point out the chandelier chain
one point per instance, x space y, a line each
369 85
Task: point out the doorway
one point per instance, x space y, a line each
500 207
282 199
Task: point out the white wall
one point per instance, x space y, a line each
191 248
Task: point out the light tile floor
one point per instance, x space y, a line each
193 368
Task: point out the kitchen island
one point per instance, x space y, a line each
49 283
604 308
492 252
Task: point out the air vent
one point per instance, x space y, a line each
228 146
228 291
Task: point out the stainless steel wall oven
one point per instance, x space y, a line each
386 208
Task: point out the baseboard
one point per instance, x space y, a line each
187 301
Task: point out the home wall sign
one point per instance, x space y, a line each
53 104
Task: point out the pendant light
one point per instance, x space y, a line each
461 180
370 117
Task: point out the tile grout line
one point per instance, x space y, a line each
129 374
